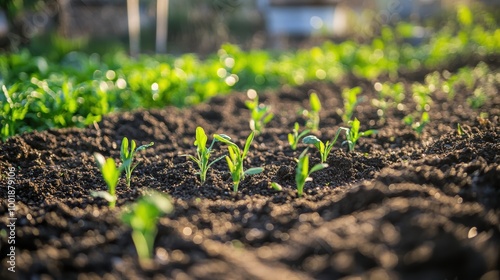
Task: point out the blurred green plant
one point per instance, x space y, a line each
110 174
260 114
295 136
313 114
351 100
142 217
76 89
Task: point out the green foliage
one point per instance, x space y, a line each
353 134
236 158
351 100
110 174
13 111
389 96
295 136
313 114
142 217
203 153
260 114
302 172
77 89
127 157
323 148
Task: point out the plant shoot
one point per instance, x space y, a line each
236 158
127 157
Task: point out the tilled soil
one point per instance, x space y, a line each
402 206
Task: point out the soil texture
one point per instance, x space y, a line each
401 206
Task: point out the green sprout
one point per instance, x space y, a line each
236 158
110 174
203 153
460 130
260 113
142 218
303 173
417 126
353 134
277 187
351 100
295 136
127 157
323 148
313 115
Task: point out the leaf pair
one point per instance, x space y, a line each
302 171
236 158
353 134
294 137
323 148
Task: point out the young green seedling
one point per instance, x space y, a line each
313 115
353 134
460 130
203 153
323 148
260 113
127 157
295 136
351 100
302 172
142 218
236 158
417 126
110 174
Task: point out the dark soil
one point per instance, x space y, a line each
402 206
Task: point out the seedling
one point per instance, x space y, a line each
351 100
313 115
236 158
422 96
260 113
142 218
323 148
417 126
110 174
127 157
460 130
203 153
302 172
295 136
353 134
389 95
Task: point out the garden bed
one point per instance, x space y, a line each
402 205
